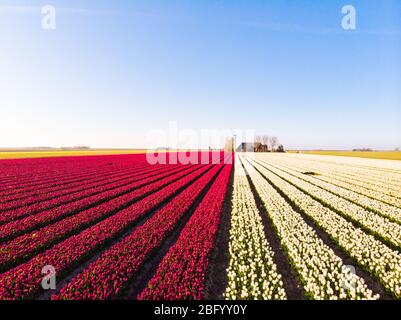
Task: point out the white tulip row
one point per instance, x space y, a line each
379 193
321 271
252 273
383 227
376 205
378 188
344 172
358 163
375 174
371 191
383 262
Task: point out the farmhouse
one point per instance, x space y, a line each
252 147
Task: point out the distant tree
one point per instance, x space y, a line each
258 139
363 150
81 147
265 140
273 143
280 148
397 149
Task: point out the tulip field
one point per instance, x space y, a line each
337 220
103 221
265 226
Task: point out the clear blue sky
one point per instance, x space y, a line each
112 70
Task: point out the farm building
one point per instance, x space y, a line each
252 147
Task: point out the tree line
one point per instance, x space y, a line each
262 143
271 143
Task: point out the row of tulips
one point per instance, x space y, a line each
369 170
38 206
88 166
72 170
252 273
368 203
54 169
111 171
182 272
25 170
59 207
110 273
321 271
382 227
20 186
16 228
346 174
93 184
367 189
370 253
23 247
24 281
366 182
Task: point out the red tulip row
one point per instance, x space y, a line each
15 228
38 171
73 170
181 274
28 244
85 185
110 273
22 212
24 281
25 169
61 184
53 169
30 170
20 187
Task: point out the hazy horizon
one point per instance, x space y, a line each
144 148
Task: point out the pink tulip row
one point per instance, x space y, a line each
45 188
35 208
28 244
17 227
35 172
88 185
50 173
110 273
45 173
86 169
21 188
16 171
181 274
27 168
24 280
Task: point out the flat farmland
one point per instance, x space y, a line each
386 155
269 226
109 226
322 228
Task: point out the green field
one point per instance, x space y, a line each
388 155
